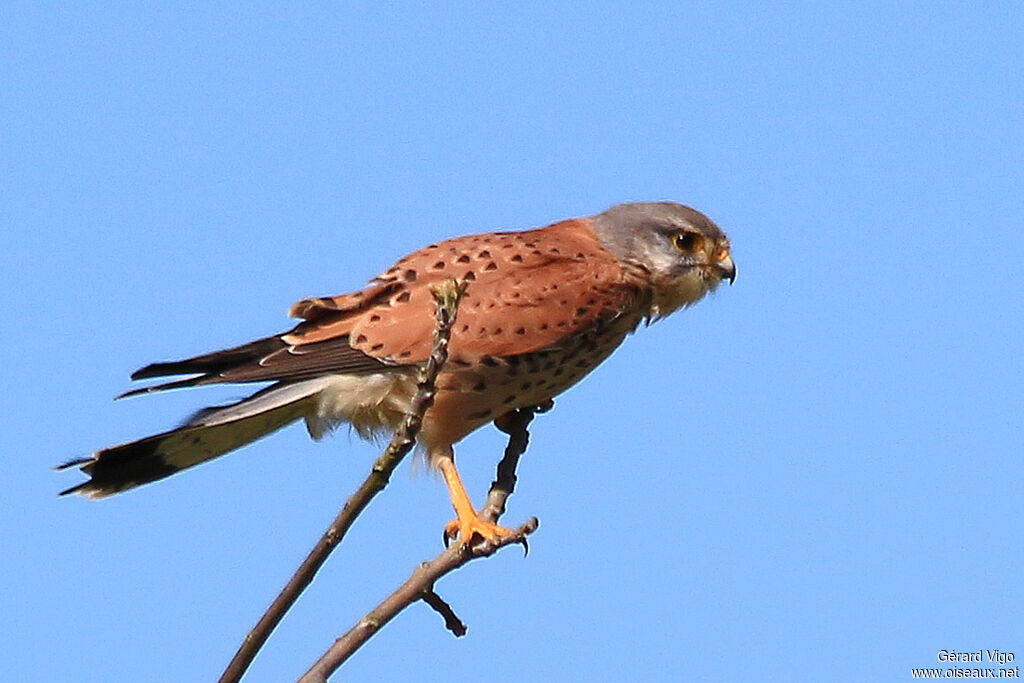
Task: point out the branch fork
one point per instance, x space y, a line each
420 585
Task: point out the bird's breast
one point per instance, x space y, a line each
475 392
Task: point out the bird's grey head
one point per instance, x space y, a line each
681 251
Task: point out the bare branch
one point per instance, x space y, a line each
447 296
409 592
420 585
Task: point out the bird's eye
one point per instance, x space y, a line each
687 242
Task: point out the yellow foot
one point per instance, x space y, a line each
466 527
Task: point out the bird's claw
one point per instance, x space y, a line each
466 528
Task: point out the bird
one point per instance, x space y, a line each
541 309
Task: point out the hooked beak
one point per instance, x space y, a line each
726 268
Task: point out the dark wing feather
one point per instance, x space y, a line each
264 360
212 362
304 361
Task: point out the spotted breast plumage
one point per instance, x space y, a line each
542 308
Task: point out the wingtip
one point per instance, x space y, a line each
168 368
176 384
151 370
133 392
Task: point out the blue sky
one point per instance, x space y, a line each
813 475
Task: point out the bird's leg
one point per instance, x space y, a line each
468 522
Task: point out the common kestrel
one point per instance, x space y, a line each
542 309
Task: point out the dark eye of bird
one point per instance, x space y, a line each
687 242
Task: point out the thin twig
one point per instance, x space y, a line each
447 296
451 620
421 583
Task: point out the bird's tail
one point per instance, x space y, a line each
210 433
